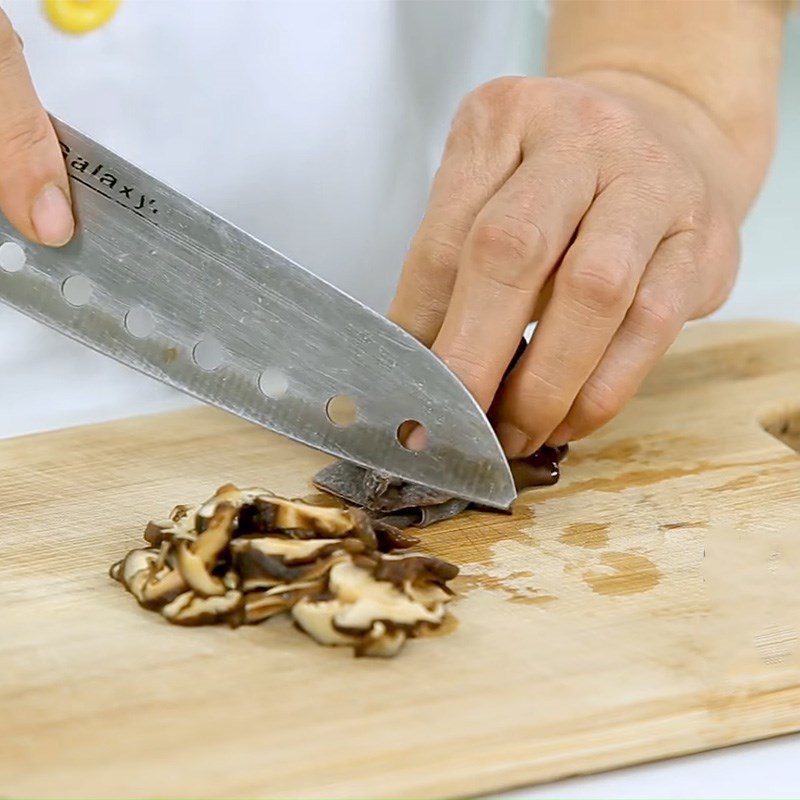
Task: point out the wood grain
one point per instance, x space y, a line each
648 605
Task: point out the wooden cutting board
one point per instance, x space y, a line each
648 605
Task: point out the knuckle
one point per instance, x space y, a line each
654 315
717 264
698 215
538 404
603 114
598 403
653 188
472 369
497 92
654 153
436 254
506 251
600 286
491 107
722 245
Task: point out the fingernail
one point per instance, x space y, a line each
512 440
51 216
560 436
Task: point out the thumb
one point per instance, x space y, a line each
34 192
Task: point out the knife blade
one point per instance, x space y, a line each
165 286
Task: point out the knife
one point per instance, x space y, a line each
165 286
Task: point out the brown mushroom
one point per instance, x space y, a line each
369 600
408 568
190 609
373 616
381 642
194 571
261 605
246 555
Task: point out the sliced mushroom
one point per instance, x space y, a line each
380 642
316 619
290 551
390 536
161 588
411 567
259 606
257 516
367 601
288 514
260 570
134 562
246 555
430 595
194 571
213 540
189 609
157 532
181 512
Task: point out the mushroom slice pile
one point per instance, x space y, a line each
375 615
246 555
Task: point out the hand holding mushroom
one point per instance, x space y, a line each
604 202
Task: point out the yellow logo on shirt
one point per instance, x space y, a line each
80 16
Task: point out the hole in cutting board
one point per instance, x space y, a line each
784 425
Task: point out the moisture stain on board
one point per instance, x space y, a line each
533 599
479 532
742 482
591 535
642 450
508 584
675 526
621 451
629 573
650 477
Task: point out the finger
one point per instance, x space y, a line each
664 301
34 193
477 161
593 289
511 249
689 276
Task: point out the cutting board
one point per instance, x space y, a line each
646 606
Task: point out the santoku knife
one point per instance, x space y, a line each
163 285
